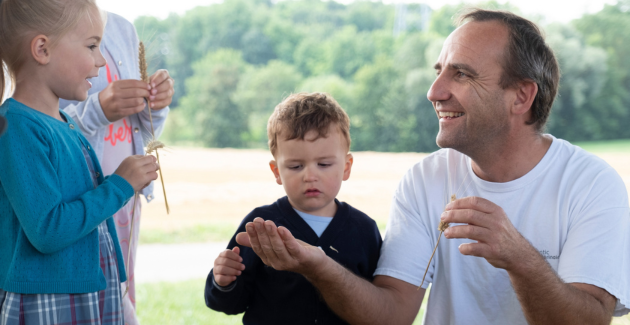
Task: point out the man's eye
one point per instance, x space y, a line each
461 74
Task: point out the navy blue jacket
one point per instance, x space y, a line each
275 297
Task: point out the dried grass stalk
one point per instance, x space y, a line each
152 146
144 75
143 63
441 227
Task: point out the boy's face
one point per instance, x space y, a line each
312 171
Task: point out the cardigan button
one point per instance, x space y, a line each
89 148
98 174
119 62
150 197
135 130
72 126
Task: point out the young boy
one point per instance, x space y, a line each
309 139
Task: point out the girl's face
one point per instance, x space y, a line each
76 58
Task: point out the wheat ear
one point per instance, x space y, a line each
441 227
142 62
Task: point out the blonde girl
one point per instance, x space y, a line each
60 261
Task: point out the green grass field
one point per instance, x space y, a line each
183 303
610 146
212 232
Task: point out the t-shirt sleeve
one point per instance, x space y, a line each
597 249
408 240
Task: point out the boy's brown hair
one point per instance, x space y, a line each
302 112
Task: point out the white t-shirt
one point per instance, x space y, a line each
572 207
118 141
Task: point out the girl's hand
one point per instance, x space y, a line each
138 170
228 266
161 89
122 98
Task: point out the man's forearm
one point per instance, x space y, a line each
358 301
546 299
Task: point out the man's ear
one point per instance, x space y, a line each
40 49
276 173
525 94
348 166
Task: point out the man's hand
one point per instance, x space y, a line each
228 266
277 248
161 89
122 98
498 241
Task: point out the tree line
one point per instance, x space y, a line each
234 61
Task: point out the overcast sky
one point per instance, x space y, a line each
553 10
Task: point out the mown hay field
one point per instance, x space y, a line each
213 189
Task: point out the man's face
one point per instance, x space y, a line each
312 171
471 105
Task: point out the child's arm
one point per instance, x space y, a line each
236 296
30 180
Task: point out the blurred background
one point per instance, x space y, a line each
233 61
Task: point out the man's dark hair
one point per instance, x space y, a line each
527 57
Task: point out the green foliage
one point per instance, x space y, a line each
235 61
215 118
347 51
608 29
442 20
572 116
258 93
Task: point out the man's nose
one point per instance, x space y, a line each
439 90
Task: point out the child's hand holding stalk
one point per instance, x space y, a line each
138 171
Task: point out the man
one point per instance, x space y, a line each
539 230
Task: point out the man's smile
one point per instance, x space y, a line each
450 115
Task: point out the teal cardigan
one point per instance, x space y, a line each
49 208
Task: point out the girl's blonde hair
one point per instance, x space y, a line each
21 20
